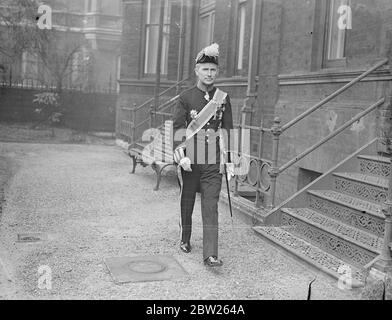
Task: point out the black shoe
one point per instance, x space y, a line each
213 262
186 247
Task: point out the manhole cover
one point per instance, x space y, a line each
144 268
31 237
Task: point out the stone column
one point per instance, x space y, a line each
384 263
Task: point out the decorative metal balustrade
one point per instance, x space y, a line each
135 120
277 130
256 178
263 173
261 184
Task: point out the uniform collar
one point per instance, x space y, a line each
212 91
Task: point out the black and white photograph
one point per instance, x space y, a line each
200 157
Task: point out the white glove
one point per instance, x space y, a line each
230 170
185 163
178 154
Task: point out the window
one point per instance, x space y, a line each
89 7
152 37
29 66
240 46
206 23
78 67
334 51
239 39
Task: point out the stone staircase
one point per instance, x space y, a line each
336 222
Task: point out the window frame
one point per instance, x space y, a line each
78 68
30 68
89 5
234 40
206 10
326 62
240 36
145 36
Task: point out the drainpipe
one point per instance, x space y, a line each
181 50
253 70
158 66
254 52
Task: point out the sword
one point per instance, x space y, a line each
228 192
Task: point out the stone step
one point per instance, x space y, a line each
311 254
364 186
361 238
375 165
350 244
350 210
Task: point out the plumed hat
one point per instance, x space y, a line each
209 54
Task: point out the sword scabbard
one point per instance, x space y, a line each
228 191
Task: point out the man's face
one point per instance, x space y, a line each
206 72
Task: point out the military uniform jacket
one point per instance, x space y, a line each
195 99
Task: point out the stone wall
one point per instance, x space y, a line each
292 76
137 88
303 82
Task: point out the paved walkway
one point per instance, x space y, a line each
89 206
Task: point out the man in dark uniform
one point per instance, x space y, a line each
201 168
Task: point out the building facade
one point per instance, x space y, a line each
89 31
277 59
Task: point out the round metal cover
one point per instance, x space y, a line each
146 266
253 173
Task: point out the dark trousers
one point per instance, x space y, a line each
206 179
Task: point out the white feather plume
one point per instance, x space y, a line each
211 51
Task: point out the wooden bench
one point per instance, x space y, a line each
160 159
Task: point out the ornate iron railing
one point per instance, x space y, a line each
256 177
385 259
165 110
265 184
277 130
134 120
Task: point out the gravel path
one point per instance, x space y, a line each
91 208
